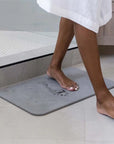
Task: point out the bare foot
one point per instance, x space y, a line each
64 81
106 106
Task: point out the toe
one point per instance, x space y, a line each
71 88
76 86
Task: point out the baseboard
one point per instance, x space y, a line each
107 50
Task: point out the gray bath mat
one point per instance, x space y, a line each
42 94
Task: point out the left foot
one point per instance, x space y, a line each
106 106
64 81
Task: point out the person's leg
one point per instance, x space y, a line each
65 36
88 47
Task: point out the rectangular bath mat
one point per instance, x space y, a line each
42 94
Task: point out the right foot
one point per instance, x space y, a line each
106 107
64 81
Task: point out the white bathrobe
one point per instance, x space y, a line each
89 13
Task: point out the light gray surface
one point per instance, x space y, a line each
42 95
26 15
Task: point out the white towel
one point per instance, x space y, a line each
89 13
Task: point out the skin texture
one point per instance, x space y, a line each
88 48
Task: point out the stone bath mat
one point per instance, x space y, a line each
42 94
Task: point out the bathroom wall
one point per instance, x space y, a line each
26 15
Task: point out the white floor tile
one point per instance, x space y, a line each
6 141
70 142
97 127
17 124
91 142
34 141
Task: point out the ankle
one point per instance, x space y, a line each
103 95
57 67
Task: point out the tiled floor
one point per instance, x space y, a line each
79 123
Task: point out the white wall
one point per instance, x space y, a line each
26 15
